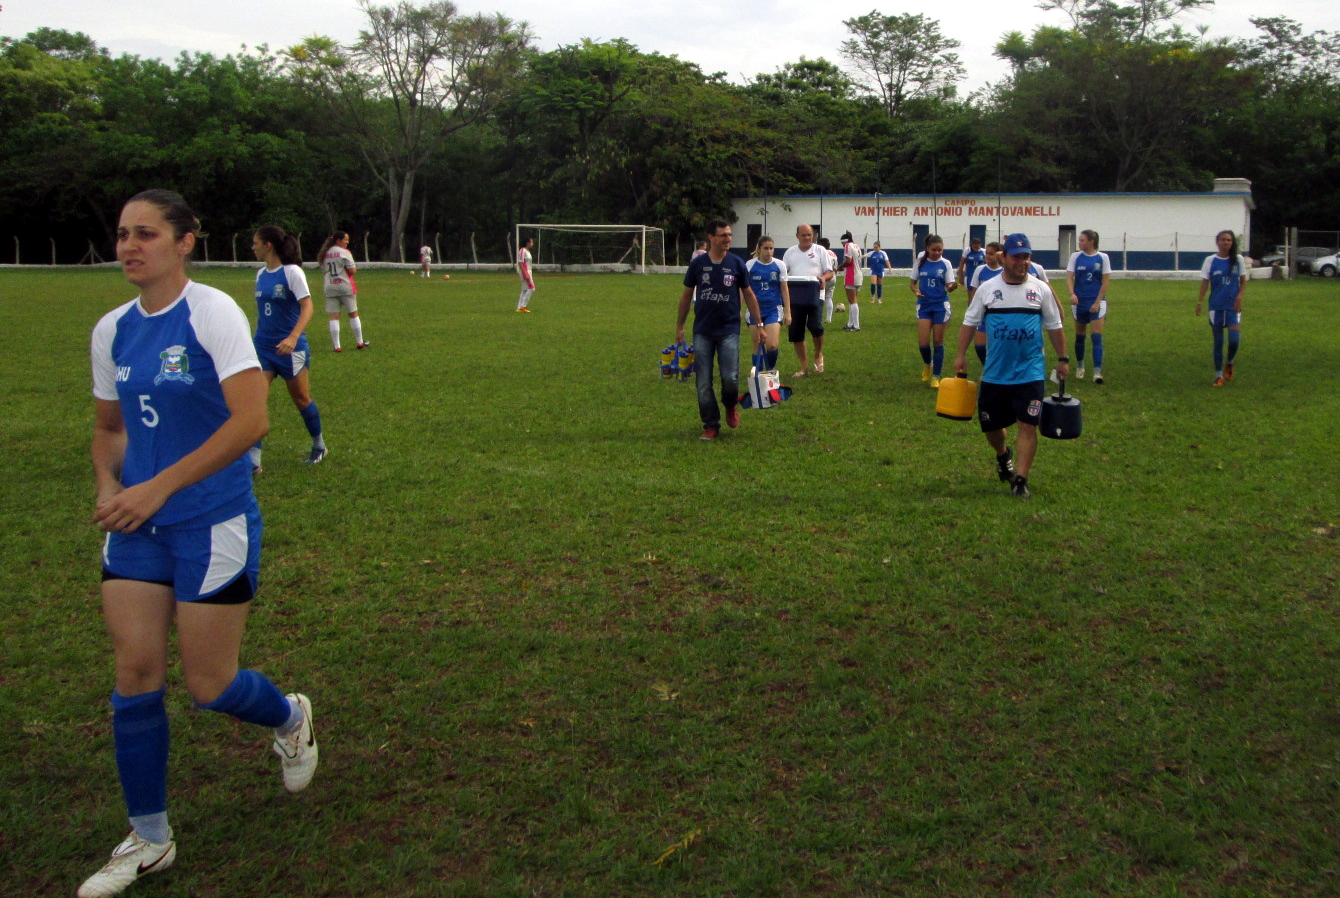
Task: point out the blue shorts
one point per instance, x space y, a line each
196 561
934 312
771 315
1225 318
286 366
1090 314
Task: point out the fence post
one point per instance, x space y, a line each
16 250
53 249
234 246
366 257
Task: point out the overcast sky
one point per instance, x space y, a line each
740 39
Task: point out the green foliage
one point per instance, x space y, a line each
902 57
557 646
451 128
1287 133
1100 107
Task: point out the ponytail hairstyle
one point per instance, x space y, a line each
330 241
285 244
1093 236
175 211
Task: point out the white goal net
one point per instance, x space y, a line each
595 247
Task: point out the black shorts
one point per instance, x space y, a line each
1000 405
803 317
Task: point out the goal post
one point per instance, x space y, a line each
596 247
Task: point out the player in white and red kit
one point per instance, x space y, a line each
523 270
337 281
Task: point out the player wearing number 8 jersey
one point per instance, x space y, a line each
284 306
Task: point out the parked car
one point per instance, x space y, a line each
1302 259
1326 266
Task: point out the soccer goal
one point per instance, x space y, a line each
596 247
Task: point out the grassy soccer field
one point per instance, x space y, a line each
557 646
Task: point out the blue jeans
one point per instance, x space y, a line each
727 352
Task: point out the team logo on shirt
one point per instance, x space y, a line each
277 292
727 279
1032 296
176 366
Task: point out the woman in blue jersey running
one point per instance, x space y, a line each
767 277
178 398
283 307
1224 275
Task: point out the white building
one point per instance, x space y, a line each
1138 231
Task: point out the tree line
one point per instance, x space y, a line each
438 125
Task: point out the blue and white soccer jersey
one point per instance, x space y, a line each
878 262
973 259
1038 272
279 295
983 274
1089 270
1016 316
166 370
1224 276
933 280
766 280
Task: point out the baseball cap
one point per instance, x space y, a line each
1017 244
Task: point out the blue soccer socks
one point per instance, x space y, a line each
140 731
252 698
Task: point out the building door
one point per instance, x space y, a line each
1067 244
919 234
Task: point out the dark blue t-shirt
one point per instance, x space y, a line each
716 294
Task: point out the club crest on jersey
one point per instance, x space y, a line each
1032 296
277 292
176 366
727 279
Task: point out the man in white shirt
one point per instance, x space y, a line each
808 271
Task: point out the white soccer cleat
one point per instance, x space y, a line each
297 750
1079 373
132 859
